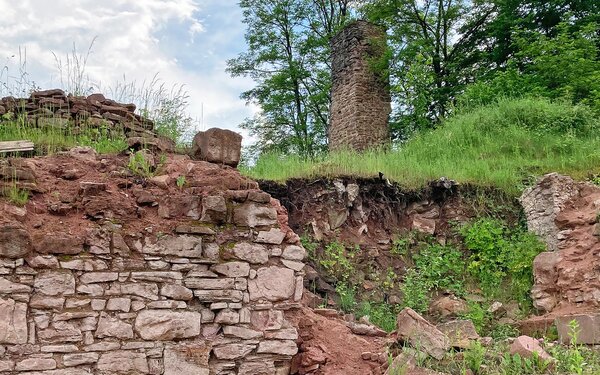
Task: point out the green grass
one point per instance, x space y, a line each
503 145
49 140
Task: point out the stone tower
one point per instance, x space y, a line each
361 102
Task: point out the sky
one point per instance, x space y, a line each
183 41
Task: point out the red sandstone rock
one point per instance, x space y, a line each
413 328
526 346
217 146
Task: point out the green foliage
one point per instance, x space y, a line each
139 165
287 57
436 267
500 254
474 356
181 181
347 296
563 66
470 148
336 261
432 47
517 365
310 245
572 359
16 195
478 314
383 315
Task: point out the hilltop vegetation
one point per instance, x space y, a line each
505 144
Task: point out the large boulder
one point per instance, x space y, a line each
217 146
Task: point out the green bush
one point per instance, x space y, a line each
501 255
436 267
336 261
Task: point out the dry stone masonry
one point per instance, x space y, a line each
360 97
104 275
55 109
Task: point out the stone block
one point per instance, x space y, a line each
254 215
177 292
179 246
526 346
36 364
54 283
272 283
419 332
77 359
109 326
217 146
187 359
588 327
214 209
273 236
166 325
8 287
15 242
233 351
123 362
252 253
281 347
232 269
13 322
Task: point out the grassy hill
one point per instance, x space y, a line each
503 145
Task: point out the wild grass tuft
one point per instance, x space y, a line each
503 145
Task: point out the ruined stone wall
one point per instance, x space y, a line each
564 214
103 272
360 98
57 110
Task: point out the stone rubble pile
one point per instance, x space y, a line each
53 108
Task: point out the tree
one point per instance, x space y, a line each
564 66
288 58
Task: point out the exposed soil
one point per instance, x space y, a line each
327 342
77 189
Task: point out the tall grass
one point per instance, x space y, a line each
166 105
503 145
49 139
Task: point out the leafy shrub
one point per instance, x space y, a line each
336 261
436 267
501 254
475 356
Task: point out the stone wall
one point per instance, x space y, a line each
104 273
55 109
360 98
564 213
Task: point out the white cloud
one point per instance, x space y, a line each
135 39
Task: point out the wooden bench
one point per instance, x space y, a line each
16 146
